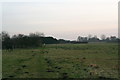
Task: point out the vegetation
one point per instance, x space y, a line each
37 56
98 60
37 39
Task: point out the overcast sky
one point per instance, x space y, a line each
65 19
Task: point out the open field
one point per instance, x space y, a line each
63 61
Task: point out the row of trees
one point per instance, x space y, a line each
25 41
103 38
38 39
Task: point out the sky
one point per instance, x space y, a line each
62 19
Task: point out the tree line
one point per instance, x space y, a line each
37 39
94 38
25 41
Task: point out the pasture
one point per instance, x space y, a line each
97 60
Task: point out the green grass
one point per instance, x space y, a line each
63 61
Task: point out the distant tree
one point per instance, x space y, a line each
79 38
36 34
94 39
62 41
6 41
5 36
82 39
89 36
20 41
103 37
107 39
27 41
50 40
113 39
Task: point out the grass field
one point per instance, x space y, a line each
63 61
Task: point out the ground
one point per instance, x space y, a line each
94 60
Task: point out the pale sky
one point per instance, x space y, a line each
65 19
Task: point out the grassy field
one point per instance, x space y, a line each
98 60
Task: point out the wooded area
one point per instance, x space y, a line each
38 39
